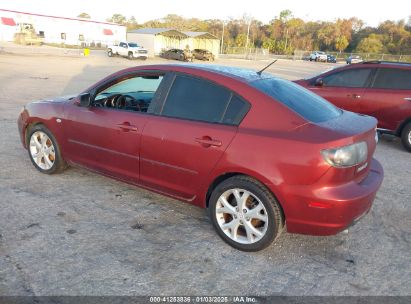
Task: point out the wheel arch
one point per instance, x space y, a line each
226 175
402 126
29 127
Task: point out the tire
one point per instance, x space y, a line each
109 53
406 137
260 211
130 56
40 141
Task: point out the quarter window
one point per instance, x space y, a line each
353 78
396 79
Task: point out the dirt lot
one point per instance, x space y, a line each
79 233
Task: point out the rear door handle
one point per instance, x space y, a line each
355 96
407 98
207 141
126 127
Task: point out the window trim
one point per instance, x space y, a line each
220 122
367 82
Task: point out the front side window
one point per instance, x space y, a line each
395 79
353 78
307 104
133 94
197 99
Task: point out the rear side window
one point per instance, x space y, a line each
236 110
396 79
196 99
353 78
309 105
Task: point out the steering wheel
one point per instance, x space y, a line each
127 101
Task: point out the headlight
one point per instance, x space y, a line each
347 156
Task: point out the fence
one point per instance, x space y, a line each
245 53
264 54
302 55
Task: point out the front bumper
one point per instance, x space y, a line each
328 210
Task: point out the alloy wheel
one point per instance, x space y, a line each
42 150
241 216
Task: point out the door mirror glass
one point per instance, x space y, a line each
319 82
85 100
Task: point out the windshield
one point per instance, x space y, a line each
132 44
309 105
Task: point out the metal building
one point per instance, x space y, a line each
155 40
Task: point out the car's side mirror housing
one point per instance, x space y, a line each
319 82
85 100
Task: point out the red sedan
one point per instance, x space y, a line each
259 152
376 88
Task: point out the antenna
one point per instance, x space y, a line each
259 72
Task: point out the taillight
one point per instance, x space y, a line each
347 156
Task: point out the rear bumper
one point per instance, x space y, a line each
328 210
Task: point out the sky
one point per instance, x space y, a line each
372 12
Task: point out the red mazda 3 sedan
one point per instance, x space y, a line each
259 152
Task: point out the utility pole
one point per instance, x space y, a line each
222 39
248 38
248 34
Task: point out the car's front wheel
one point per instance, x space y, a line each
245 213
110 53
406 137
44 150
130 56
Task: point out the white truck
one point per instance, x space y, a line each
130 50
318 56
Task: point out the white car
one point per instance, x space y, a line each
130 50
318 56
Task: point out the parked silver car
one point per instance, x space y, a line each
353 59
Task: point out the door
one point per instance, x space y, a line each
123 49
182 145
345 89
106 136
389 97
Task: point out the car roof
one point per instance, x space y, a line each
242 74
407 64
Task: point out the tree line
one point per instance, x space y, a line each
285 33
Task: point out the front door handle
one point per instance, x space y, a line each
355 96
407 98
126 127
207 141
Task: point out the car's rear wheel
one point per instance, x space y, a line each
245 214
130 56
44 151
406 137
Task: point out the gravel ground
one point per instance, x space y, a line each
79 233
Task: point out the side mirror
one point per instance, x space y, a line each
319 82
85 100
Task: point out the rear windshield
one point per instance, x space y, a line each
309 105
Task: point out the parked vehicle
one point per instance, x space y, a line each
203 55
26 35
331 58
257 151
178 54
353 59
318 56
130 50
376 88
